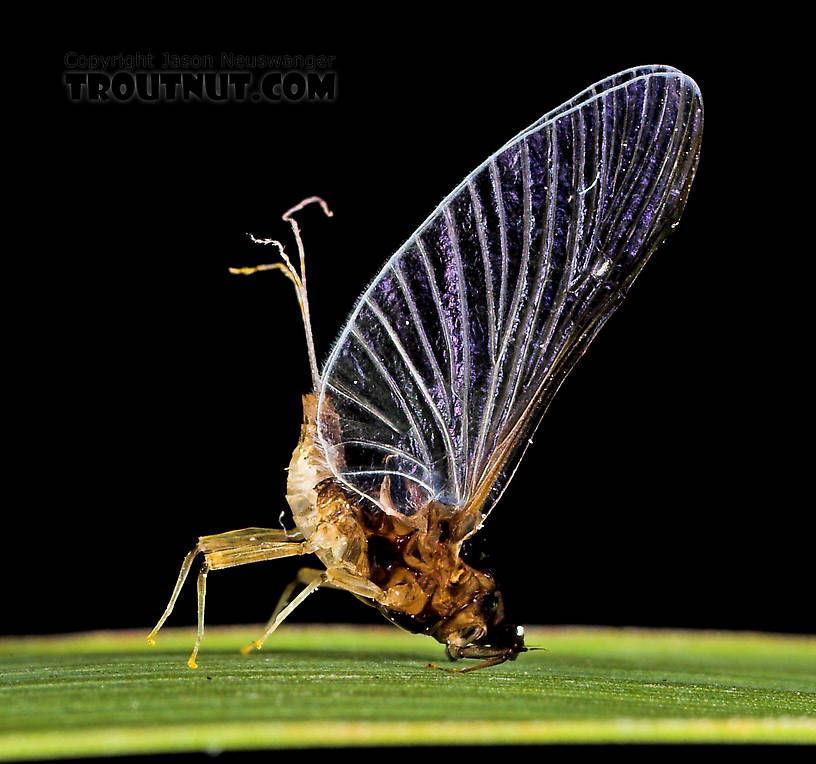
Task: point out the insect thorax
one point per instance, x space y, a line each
426 586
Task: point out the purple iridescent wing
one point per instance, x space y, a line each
451 356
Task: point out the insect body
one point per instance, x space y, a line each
421 414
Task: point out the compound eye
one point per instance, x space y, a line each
490 605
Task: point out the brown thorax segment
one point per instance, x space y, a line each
422 583
426 586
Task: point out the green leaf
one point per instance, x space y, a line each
109 693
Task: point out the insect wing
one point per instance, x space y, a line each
452 354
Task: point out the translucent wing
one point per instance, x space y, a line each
451 356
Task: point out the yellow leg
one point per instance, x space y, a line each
202 594
278 619
304 576
333 578
226 550
182 577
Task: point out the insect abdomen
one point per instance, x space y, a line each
307 469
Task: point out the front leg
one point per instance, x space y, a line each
492 657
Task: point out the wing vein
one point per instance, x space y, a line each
423 335
397 393
365 405
413 478
439 309
464 391
441 425
487 413
491 318
537 247
541 280
385 447
496 183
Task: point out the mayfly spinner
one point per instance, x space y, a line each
429 398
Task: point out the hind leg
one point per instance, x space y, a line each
226 550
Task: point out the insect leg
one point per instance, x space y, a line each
242 537
202 594
357 585
304 576
493 656
256 551
334 579
494 661
226 550
182 577
278 619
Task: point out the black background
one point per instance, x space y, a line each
159 397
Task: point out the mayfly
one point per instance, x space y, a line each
430 396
